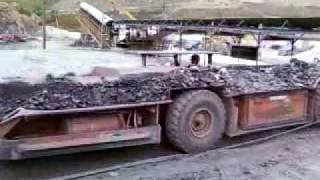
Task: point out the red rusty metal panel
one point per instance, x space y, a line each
84 139
75 143
94 123
7 127
269 110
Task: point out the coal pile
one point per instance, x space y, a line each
65 93
250 81
299 73
292 76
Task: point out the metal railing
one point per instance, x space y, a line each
98 31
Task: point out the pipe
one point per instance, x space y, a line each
96 13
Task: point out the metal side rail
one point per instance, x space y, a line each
21 112
76 143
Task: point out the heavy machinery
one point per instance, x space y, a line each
144 34
193 118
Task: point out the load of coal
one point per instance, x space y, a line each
251 80
66 93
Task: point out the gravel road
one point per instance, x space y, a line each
292 157
51 167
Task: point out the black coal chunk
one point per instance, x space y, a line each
249 80
66 93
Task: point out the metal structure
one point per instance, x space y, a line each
110 127
96 30
290 29
175 54
193 119
138 36
44 24
30 133
234 26
95 24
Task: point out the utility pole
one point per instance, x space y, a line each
44 31
164 6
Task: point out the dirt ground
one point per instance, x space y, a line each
291 157
13 22
203 9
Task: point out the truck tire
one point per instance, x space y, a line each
195 121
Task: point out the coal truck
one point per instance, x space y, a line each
192 107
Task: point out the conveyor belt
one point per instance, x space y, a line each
273 28
296 24
268 28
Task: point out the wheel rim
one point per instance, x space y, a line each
200 123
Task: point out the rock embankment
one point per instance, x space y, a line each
14 22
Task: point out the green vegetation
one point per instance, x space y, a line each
29 6
66 21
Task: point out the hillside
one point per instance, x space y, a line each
16 20
165 9
28 6
186 9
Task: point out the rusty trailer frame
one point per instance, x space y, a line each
126 125
83 134
266 111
